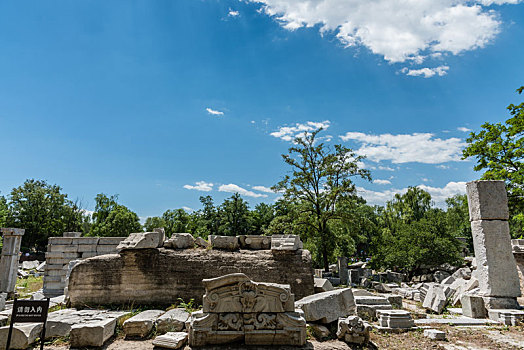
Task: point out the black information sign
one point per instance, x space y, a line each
29 311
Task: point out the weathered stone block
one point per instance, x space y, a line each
159 276
59 241
435 299
62 248
500 303
285 242
496 270
106 249
224 242
487 200
199 241
94 333
110 240
142 240
3 298
327 307
322 285
181 241
254 242
142 324
434 334
82 248
171 340
395 319
24 334
85 240
172 321
473 306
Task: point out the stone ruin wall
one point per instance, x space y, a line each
518 252
62 250
161 276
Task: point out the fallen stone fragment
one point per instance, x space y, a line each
142 240
435 299
367 306
254 242
353 330
224 242
319 331
464 272
322 285
473 306
434 334
394 319
94 333
171 340
181 241
30 265
24 334
172 321
142 324
327 307
199 241
286 242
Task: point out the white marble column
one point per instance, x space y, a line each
12 238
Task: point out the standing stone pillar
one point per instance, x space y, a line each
12 238
497 270
343 272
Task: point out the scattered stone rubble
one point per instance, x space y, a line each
327 307
353 329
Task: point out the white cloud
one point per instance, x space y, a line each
232 188
263 189
405 148
289 133
200 186
214 112
188 209
463 129
398 30
385 168
438 194
233 13
426 72
382 182
442 166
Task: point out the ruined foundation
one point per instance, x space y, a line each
161 276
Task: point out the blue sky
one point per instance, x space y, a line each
163 101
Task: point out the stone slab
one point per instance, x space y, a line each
254 242
224 242
434 334
85 240
457 321
285 242
329 306
171 340
180 241
94 333
172 321
473 306
139 326
24 334
322 285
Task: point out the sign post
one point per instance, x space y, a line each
29 311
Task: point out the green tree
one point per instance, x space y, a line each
176 221
457 218
320 181
4 211
234 216
261 218
43 211
499 152
414 235
154 222
111 219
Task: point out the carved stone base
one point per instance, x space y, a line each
288 328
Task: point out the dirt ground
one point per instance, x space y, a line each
458 338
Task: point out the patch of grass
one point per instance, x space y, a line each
57 307
26 286
190 307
